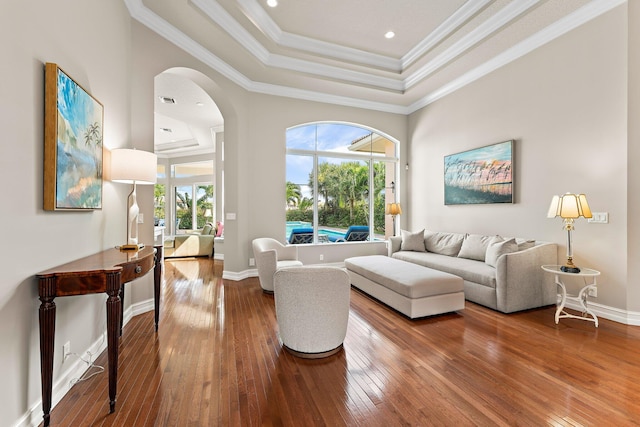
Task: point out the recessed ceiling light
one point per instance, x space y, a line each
200 104
390 34
167 100
272 3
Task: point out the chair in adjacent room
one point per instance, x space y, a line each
312 309
271 255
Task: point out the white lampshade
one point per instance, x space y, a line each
129 166
569 206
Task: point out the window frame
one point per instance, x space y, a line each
367 157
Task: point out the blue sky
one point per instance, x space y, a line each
331 137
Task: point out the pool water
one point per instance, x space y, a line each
302 224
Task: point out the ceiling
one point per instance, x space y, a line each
335 51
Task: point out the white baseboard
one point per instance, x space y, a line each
611 313
63 384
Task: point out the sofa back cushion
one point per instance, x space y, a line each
443 243
412 241
474 246
207 229
525 244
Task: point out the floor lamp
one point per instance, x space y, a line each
394 209
133 167
569 207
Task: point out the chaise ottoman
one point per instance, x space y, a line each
411 289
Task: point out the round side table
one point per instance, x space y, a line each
581 298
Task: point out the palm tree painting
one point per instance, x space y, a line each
481 175
73 144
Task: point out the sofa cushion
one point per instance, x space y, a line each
497 249
443 243
474 246
412 241
469 270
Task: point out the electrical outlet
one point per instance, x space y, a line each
593 292
66 350
252 262
321 257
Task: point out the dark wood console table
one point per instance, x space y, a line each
107 271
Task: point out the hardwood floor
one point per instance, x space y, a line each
216 361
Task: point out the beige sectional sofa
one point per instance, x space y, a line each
500 273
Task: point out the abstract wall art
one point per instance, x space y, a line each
481 175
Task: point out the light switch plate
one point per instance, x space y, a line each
599 218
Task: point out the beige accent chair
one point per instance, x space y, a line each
312 309
271 255
191 245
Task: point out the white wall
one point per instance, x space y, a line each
90 40
565 104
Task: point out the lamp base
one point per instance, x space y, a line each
128 247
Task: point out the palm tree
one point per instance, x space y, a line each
294 193
93 136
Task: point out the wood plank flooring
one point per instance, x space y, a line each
216 361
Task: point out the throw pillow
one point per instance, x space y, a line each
474 246
412 241
525 244
206 229
443 243
496 250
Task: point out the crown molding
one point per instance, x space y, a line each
462 15
483 31
220 16
551 32
335 73
264 23
588 12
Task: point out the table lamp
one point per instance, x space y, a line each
393 209
130 166
569 207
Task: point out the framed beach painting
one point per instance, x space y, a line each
479 176
73 125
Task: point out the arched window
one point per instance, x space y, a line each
340 177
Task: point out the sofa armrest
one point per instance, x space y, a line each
520 281
395 242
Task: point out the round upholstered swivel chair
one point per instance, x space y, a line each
312 309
